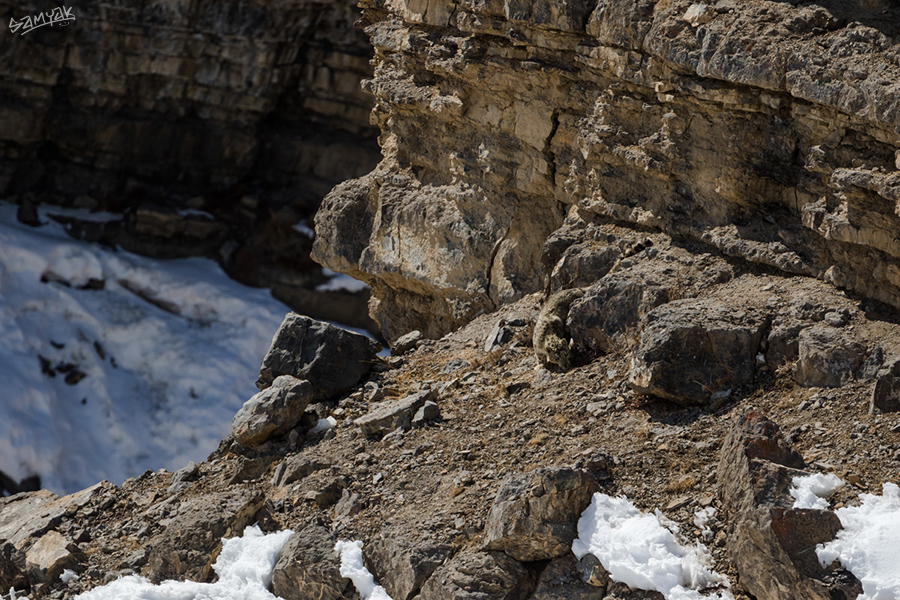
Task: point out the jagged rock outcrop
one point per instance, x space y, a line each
771 543
766 130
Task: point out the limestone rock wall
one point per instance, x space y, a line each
765 129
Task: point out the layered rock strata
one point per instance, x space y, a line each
764 129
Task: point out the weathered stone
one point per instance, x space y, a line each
592 571
309 567
478 576
610 308
182 478
29 515
430 411
192 537
296 468
405 343
771 543
583 264
535 514
274 410
401 565
331 358
561 580
499 335
393 415
12 568
49 556
691 350
827 357
886 394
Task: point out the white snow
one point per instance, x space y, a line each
702 517
812 491
640 552
244 568
304 228
340 282
868 543
169 350
353 568
68 575
324 424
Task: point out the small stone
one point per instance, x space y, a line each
405 343
698 14
429 412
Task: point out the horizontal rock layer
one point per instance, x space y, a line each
766 130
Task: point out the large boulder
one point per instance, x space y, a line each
479 576
274 410
309 567
332 359
49 556
771 543
694 350
403 565
535 514
611 307
827 357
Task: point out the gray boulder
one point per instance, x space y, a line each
479 576
272 411
693 350
401 565
309 567
610 308
827 357
393 415
771 543
406 342
535 514
886 394
331 358
49 556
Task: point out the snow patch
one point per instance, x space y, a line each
639 551
244 568
812 491
353 568
867 544
340 282
324 425
67 576
146 372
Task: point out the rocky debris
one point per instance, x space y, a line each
535 514
274 410
403 565
771 543
502 333
695 351
28 516
183 477
332 359
827 357
478 576
561 580
398 414
612 307
12 568
296 468
309 567
886 393
194 528
49 556
406 342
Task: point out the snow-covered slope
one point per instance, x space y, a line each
145 373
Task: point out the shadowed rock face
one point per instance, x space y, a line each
713 123
140 97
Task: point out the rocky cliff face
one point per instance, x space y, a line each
247 111
764 129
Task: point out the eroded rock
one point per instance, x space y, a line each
332 359
403 565
828 357
535 514
479 576
393 415
309 567
771 543
274 410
